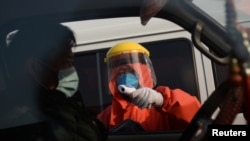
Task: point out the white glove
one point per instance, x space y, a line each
146 97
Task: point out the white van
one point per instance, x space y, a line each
177 62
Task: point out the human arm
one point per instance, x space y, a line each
178 103
143 97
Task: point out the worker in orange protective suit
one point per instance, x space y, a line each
131 82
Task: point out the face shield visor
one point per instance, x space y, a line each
135 63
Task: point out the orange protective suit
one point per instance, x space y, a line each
176 112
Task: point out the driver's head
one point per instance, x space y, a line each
49 42
41 50
129 64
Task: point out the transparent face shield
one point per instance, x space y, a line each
134 63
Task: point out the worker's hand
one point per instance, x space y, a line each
146 97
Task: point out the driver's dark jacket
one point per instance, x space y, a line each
70 120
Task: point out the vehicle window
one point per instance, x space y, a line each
221 73
174 65
173 61
93 82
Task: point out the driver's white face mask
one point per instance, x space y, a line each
68 81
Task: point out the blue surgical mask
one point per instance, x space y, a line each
128 80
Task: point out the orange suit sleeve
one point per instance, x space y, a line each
179 103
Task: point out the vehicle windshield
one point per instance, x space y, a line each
170 37
216 9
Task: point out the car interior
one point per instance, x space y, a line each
177 53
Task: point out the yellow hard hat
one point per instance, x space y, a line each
126 47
